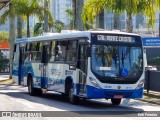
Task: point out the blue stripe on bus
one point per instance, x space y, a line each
93 92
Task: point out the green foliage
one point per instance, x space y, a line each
26 8
4 36
38 30
154 61
147 7
58 25
70 14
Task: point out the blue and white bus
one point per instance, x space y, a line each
81 64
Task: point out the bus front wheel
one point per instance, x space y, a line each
72 98
115 101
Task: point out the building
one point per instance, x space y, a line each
58 8
106 21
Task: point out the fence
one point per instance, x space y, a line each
152 80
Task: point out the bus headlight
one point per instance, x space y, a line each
93 81
140 85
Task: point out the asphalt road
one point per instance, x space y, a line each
16 98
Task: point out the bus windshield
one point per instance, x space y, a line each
117 61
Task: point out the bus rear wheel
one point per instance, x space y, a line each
72 98
31 90
115 101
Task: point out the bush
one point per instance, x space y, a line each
4 63
154 61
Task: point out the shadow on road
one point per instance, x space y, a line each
61 102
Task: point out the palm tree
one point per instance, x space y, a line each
28 8
77 10
58 25
19 27
93 7
25 8
12 34
38 29
46 27
69 13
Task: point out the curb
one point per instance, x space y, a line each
157 103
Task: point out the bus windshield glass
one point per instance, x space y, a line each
117 60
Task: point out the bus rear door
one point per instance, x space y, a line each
21 63
45 59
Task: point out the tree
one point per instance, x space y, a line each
93 7
28 8
71 16
46 27
38 29
24 8
19 27
69 13
4 36
12 36
77 10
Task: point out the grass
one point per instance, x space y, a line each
151 97
6 82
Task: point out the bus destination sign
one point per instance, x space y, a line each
115 38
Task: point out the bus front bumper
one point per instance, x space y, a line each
93 93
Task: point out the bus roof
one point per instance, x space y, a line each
72 34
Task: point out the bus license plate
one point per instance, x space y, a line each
118 96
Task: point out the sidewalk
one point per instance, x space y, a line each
4 80
4 77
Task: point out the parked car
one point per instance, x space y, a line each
150 68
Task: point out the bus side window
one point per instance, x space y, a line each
61 50
14 52
39 51
72 51
33 51
14 48
52 56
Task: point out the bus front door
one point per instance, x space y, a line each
82 65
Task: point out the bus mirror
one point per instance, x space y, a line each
88 51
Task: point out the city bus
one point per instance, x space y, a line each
81 65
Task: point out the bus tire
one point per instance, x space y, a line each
72 98
31 90
115 101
